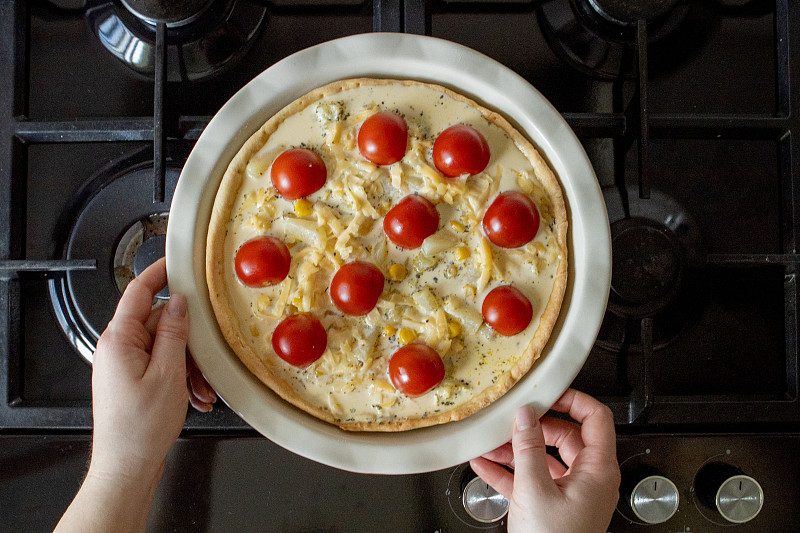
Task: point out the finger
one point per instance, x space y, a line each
137 300
556 468
495 475
172 333
197 403
564 435
597 420
198 386
503 455
531 474
598 459
152 321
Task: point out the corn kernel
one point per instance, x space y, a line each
388 331
539 247
461 253
470 291
302 207
456 225
406 335
454 328
397 272
254 330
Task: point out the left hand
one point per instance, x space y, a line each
142 381
140 375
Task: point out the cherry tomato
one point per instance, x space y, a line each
415 369
262 261
356 287
512 220
382 138
299 339
298 172
507 310
411 221
460 150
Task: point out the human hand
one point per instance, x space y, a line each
140 374
142 380
543 494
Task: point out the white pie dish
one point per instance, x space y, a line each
400 56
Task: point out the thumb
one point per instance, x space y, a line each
531 473
172 333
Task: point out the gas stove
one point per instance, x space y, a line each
688 111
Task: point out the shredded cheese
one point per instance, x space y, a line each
485 263
342 223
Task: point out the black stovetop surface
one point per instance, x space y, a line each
704 144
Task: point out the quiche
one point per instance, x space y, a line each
387 254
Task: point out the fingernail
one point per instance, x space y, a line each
526 418
177 305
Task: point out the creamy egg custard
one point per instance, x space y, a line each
432 294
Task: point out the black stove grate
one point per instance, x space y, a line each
629 124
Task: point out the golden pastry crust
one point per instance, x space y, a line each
231 324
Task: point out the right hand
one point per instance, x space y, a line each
543 494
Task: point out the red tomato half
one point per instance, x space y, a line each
298 172
415 369
382 138
460 150
512 220
300 339
411 221
262 261
356 287
507 310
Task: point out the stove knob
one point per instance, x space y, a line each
730 493
483 503
654 499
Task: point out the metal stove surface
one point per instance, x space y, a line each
250 484
688 121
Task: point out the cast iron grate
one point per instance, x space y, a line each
631 126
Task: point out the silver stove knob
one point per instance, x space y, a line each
739 499
483 503
654 499
728 492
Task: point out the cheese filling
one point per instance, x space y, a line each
432 294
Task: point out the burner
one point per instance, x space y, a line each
124 230
646 264
663 211
597 37
174 13
656 245
627 12
203 36
141 245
